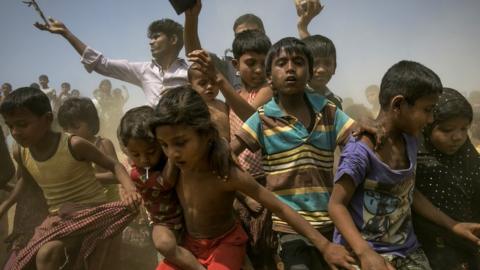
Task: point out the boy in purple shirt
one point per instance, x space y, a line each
374 189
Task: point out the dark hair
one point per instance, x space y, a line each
290 45
249 19
79 109
250 41
43 76
29 98
409 79
451 104
169 28
135 125
35 85
183 106
320 46
65 84
105 81
7 85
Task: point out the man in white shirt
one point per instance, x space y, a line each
163 72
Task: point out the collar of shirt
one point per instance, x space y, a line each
272 109
179 62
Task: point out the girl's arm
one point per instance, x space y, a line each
425 208
337 208
106 146
335 255
83 150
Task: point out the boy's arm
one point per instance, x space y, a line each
93 60
425 208
335 255
19 186
83 150
190 33
109 150
337 208
306 11
8 169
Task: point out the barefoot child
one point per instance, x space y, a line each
148 174
207 181
374 189
61 165
78 116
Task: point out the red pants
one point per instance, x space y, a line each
226 252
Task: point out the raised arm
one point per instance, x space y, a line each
425 208
306 11
191 39
58 27
335 255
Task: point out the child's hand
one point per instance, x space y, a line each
307 10
370 260
132 198
203 63
372 128
253 205
195 10
337 256
56 27
470 231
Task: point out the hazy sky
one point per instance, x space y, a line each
370 36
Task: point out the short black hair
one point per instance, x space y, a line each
250 19
250 41
290 45
135 124
35 85
79 109
409 79
65 84
7 85
169 28
29 98
321 46
43 76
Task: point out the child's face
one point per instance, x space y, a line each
6 90
203 85
323 70
142 153
65 88
27 128
183 145
80 128
290 73
251 66
372 97
413 118
43 82
450 135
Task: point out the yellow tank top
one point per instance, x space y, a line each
64 179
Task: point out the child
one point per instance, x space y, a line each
61 165
371 93
78 116
165 70
374 189
208 90
207 181
148 174
297 132
447 174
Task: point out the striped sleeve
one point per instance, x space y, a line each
343 127
251 133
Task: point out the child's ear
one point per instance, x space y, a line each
397 102
173 39
235 63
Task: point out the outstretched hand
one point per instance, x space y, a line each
470 231
195 10
56 27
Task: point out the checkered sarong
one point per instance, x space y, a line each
93 224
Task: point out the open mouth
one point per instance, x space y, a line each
291 80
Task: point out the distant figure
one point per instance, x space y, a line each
371 93
64 93
359 112
6 90
49 91
75 93
35 85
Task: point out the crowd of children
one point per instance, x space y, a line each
256 181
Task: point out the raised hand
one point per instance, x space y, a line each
203 63
56 27
306 11
195 10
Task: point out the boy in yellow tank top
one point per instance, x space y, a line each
61 164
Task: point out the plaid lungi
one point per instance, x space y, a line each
94 224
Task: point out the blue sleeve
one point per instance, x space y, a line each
251 133
354 161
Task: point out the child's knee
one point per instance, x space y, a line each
52 251
165 242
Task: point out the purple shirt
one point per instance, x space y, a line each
381 204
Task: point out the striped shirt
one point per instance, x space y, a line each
298 163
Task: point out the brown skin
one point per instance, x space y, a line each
207 201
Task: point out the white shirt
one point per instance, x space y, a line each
148 75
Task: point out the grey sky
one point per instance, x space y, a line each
370 36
